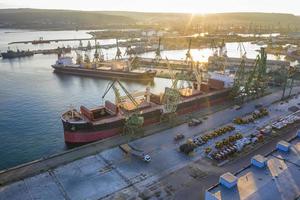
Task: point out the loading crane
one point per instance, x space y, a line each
258 80
98 55
188 56
289 78
134 121
238 89
241 86
241 48
220 55
198 72
158 51
171 97
129 51
119 53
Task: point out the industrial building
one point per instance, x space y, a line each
274 176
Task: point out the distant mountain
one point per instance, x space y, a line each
59 19
67 19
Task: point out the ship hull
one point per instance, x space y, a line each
86 133
107 74
16 55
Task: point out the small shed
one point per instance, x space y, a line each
283 146
259 161
228 180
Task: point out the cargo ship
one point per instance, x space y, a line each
114 69
89 125
40 41
16 54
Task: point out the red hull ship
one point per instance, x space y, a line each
89 125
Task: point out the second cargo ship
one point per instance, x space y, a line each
113 69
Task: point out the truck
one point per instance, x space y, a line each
128 149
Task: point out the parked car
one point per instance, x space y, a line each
195 122
178 136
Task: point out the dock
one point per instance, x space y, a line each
103 171
49 41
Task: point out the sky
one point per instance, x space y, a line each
190 6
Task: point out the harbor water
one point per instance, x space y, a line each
32 97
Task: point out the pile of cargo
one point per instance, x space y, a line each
224 153
228 141
217 133
225 148
252 117
285 122
190 145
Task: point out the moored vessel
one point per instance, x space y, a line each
120 69
89 125
16 54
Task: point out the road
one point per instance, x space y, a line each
111 173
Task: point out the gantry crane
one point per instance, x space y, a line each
119 53
258 80
98 55
79 58
220 55
239 88
134 121
129 51
241 48
158 51
198 73
188 56
171 98
289 77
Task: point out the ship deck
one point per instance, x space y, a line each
152 107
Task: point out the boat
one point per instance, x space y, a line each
88 125
119 69
16 54
40 41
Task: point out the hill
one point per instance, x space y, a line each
68 19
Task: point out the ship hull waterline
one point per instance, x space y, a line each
103 131
106 74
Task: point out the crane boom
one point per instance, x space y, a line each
117 94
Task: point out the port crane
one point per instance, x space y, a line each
188 56
289 78
134 121
119 53
238 89
79 58
220 55
129 51
257 81
158 51
98 55
241 48
171 97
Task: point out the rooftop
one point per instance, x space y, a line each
260 158
279 180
